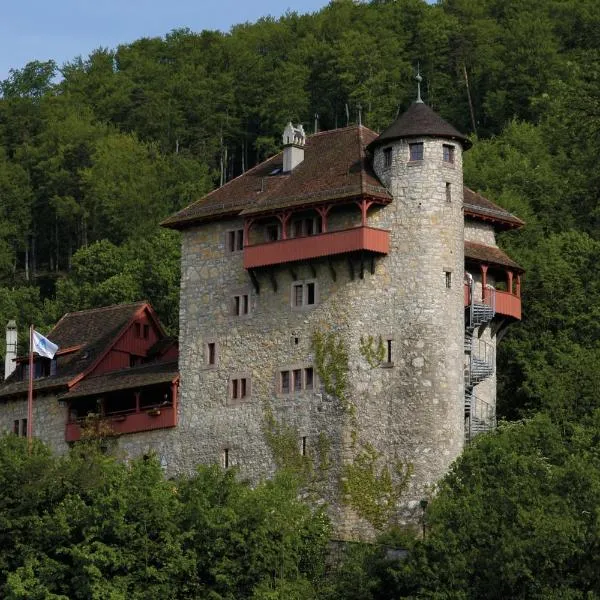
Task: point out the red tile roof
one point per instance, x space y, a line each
490 255
125 379
335 167
475 205
89 333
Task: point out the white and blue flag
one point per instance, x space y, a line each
43 346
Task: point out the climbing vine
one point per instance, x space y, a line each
370 485
373 489
373 354
331 363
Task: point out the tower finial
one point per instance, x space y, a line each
419 79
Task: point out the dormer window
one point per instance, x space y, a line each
387 157
416 151
448 153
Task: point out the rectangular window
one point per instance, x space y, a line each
211 353
298 294
310 294
296 380
16 425
24 427
239 388
448 193
389 352
297 375
225 458
305 227
416 151
448 152
387 157
146 331
272 233
304 294
285 382
241 305
448 275
308 378
235 240
304 446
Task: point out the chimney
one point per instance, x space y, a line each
294 139
10 362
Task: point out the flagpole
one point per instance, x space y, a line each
30 392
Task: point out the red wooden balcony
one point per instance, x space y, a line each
132 422
367 239
506 304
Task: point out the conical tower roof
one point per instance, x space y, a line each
418 121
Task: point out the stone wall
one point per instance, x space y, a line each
480 233
411 411
49 419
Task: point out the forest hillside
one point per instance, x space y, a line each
95 152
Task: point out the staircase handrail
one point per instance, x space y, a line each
489 296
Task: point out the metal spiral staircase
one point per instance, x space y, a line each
480 416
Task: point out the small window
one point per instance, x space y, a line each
225 458
239 388
416 151
24 427
389 352
146 331
448 275
211 353
235 240
308 378
303 447
272 232
285 382
387 157
304 293
297 375
448 192
310 293
298 294
448 153
241 305
305 227
16 426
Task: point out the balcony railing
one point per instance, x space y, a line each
158 417
506 304
367 239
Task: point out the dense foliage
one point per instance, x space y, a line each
91 527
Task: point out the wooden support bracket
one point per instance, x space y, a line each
273 279
332 270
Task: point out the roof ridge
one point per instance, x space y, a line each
104 308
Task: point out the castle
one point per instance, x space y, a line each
351 288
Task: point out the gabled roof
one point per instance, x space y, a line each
89 334
125 379
419 120
476 206
491 255
335 167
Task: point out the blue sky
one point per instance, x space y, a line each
64 29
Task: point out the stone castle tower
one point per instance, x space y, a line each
360 240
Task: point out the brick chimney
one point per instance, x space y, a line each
294 139
10 363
